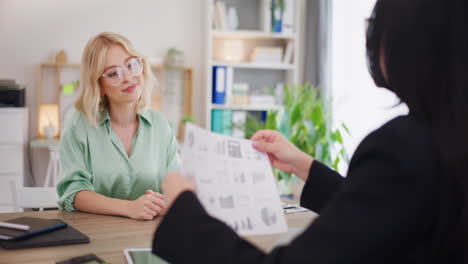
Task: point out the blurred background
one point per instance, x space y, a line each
223 64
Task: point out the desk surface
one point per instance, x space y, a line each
110 235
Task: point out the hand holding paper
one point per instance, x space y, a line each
283 154
234 182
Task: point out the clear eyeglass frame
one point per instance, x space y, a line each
116 75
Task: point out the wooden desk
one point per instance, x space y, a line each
110 235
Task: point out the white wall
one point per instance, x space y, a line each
31 30
356 100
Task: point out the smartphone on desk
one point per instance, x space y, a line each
142 256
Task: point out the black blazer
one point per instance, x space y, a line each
396 206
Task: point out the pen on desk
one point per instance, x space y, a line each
14 226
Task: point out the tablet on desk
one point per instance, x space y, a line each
142 256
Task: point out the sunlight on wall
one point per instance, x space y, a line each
357 102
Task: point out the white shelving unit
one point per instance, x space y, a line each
246 107
256 65
253 35
13 138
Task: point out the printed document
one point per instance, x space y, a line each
235 183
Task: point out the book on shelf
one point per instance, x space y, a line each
220 15
288 53
265 15
219 84
240 99
262 100
240 94
215 19
229 84
288 17
267 54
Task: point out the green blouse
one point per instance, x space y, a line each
94 158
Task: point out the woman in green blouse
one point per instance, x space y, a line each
114 152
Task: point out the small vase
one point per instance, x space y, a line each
232 18
174 58
49 132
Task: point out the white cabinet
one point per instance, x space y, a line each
13 142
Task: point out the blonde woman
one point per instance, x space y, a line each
114 152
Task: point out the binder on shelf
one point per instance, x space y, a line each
221 121
229 84
217 121
227 122
219 84
276 16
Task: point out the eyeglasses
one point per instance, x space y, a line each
116 75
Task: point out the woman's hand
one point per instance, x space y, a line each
174 185
282 154
146 207
161 201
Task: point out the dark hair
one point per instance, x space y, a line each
424 47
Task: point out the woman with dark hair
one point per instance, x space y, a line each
404 197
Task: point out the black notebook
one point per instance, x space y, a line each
64 236
37 227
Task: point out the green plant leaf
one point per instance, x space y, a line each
345 128
304 121
336 163
296 114
271 120
336 136
188 119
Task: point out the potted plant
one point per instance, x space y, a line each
174 58
304 121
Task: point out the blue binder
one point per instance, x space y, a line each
219 84
276 17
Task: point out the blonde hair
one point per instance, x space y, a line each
89 101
